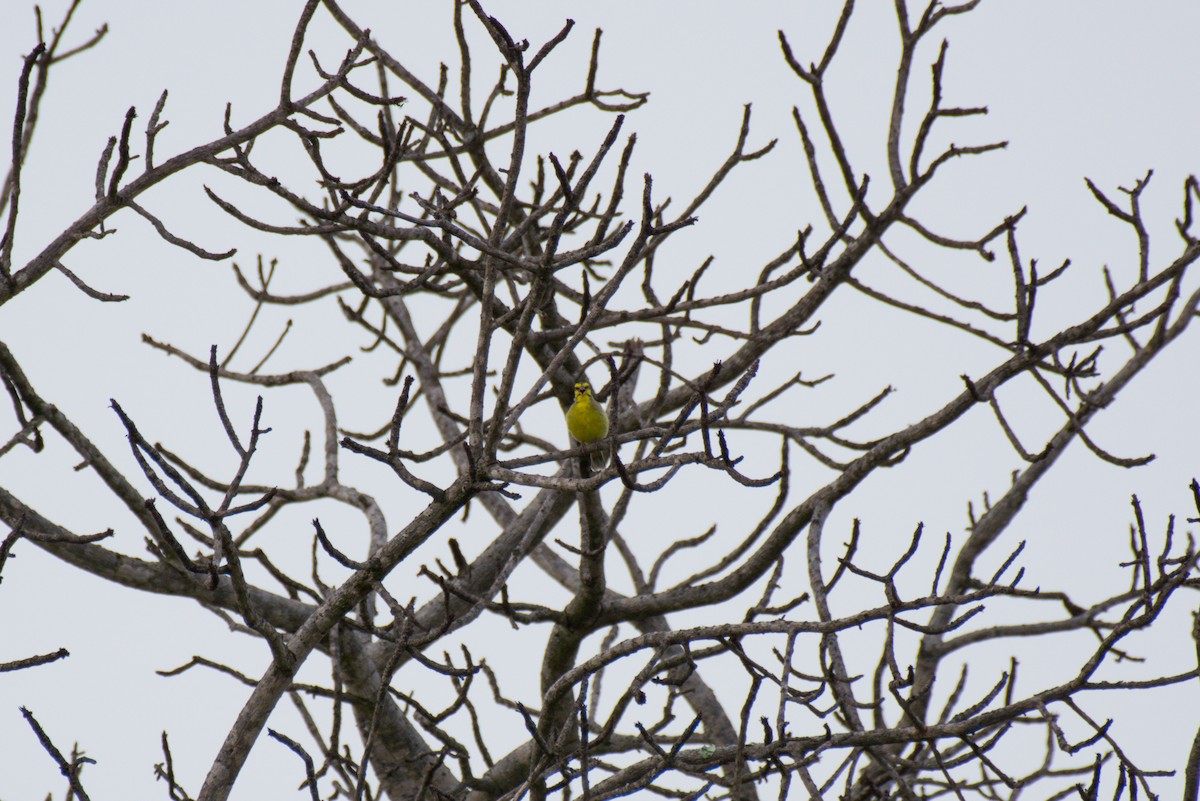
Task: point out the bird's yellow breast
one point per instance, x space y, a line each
586 419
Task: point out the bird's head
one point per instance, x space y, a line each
583 391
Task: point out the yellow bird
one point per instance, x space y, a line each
588 422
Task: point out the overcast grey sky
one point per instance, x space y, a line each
1078 87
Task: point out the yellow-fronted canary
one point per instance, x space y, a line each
588 422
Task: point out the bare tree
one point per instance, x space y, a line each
492 278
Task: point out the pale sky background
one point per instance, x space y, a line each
1078 88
